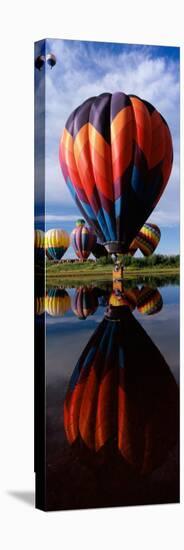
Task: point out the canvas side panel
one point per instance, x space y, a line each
39 248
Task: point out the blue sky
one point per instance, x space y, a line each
84 69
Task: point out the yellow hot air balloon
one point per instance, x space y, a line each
39 246
56 243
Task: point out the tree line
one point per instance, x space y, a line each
161 260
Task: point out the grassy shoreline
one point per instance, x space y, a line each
84 273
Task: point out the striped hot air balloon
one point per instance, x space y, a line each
56 242
123 392
83 240
149 301
147 239
39 246
57 302
116 157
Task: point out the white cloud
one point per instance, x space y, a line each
81 71
57 218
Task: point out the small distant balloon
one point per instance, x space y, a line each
39 62
56 242
51 60
83 240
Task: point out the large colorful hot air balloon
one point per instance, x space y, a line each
116 157
147 239
83 239
123 392
57 302
39 246
56 242
85 302
149 301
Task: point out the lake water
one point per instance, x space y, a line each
112 426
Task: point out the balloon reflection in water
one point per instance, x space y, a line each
39 305
149 301
85 302
57 302
122 393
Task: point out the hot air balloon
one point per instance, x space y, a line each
56 242
116 157
122 392
149 301
57 302
83 239
39 246
147 239
85 302
51 60
39 62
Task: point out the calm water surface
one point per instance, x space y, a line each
112 426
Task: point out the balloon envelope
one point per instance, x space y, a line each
83 240
56 241
116 156
51 60
147 239
39 62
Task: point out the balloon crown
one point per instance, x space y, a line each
80 222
